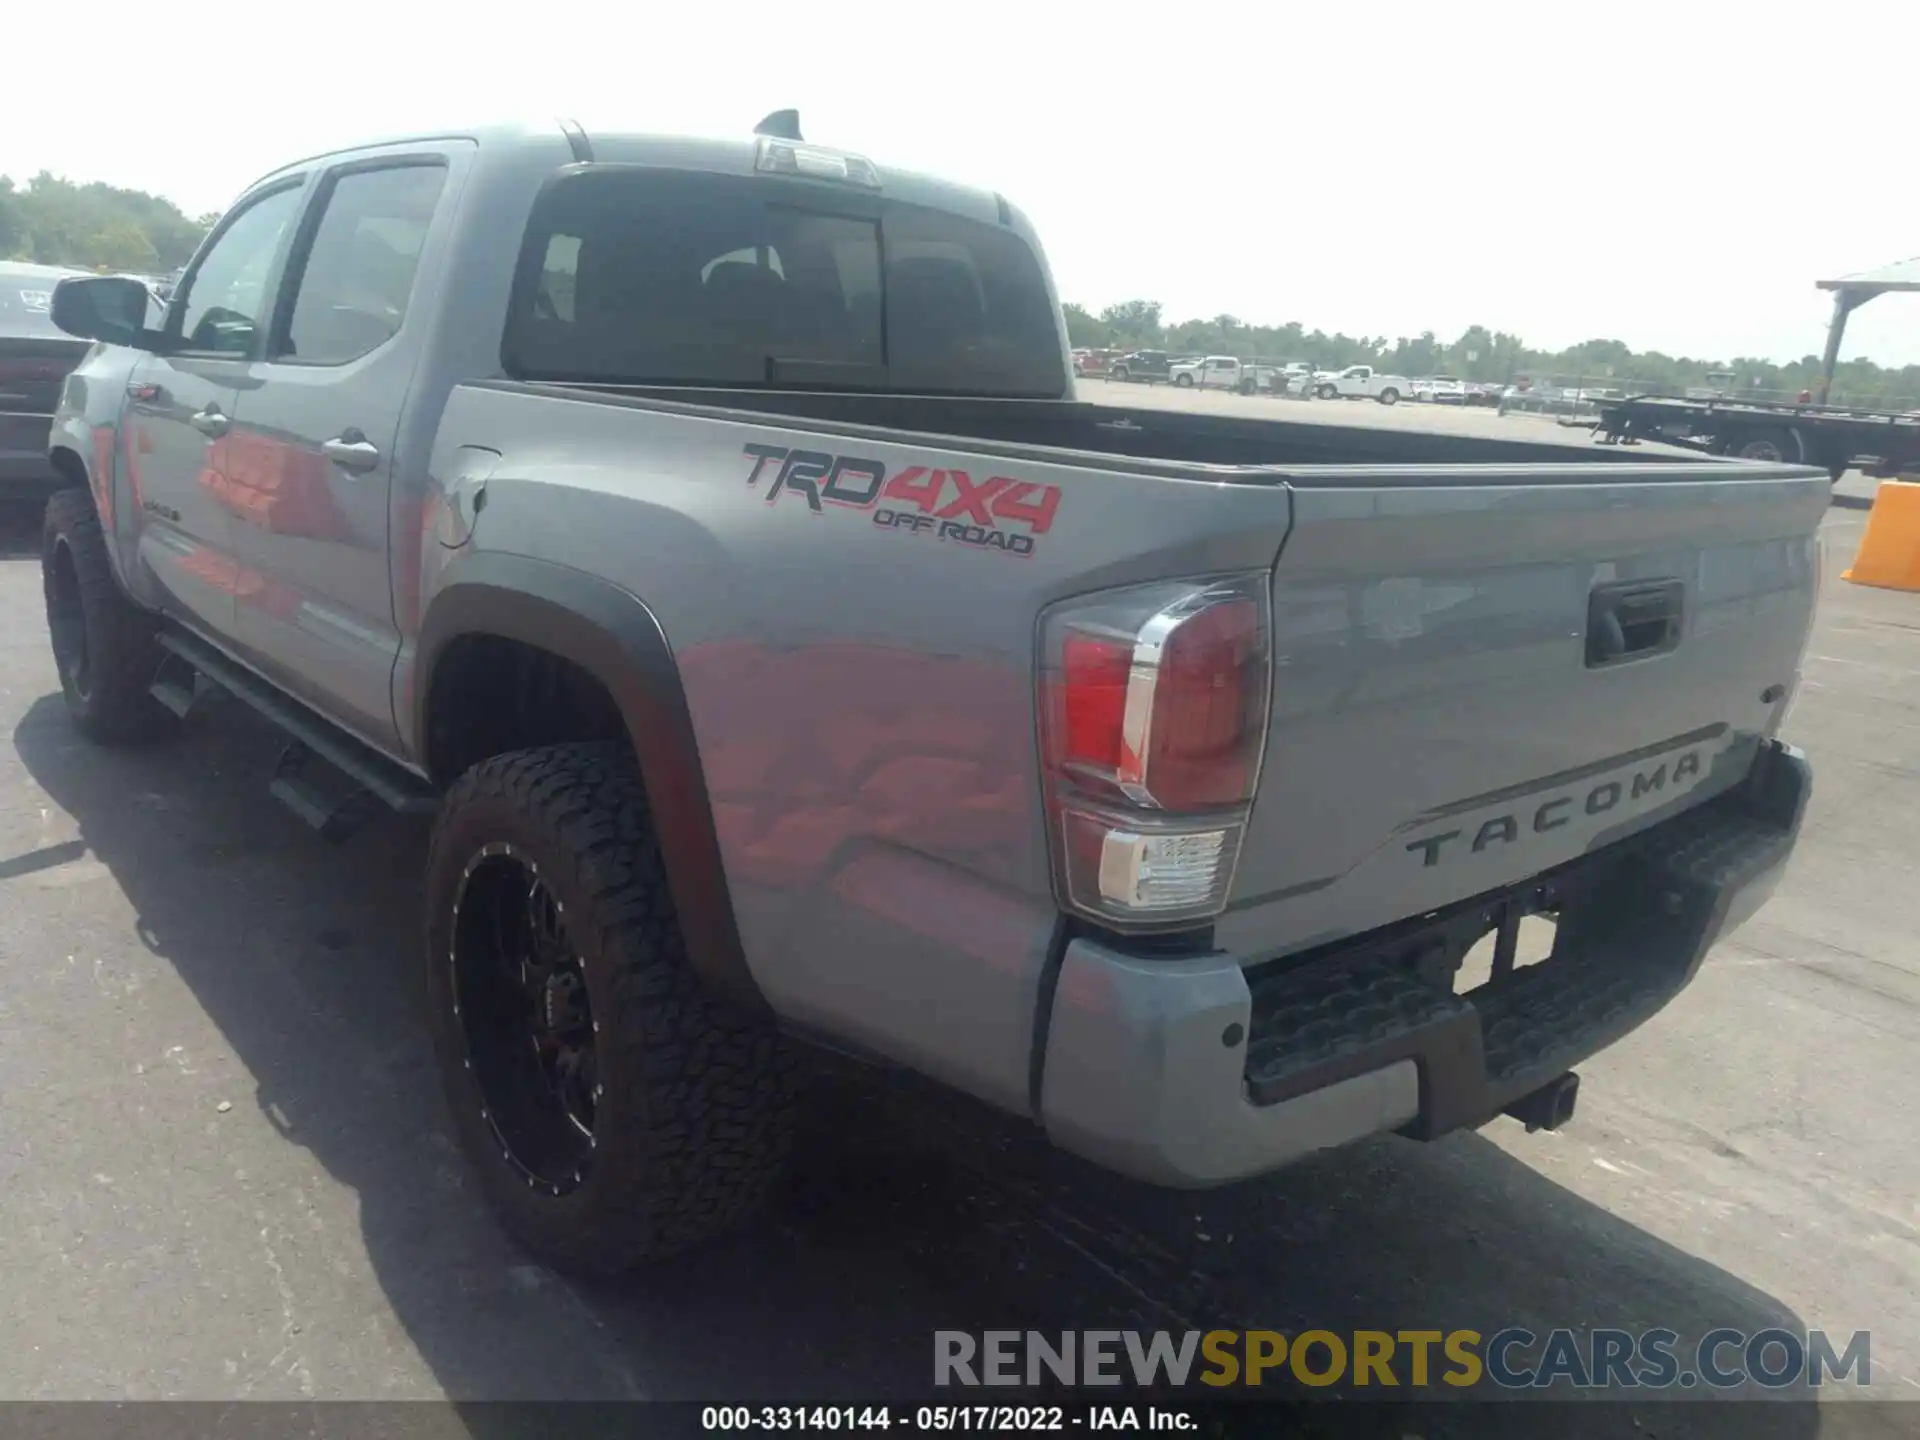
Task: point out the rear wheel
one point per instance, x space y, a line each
1389 397
103 643
1120 373
616 1112
1326 392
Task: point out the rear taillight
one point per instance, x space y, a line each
1153 705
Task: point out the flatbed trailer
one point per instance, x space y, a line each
1838 439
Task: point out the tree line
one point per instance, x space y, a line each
51 221
1491 356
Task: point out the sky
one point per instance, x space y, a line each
1676 176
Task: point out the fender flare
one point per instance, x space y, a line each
612 635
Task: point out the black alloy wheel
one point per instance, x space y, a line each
520 993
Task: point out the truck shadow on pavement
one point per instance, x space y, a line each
903 1217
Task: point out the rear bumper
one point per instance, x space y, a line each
1198 1072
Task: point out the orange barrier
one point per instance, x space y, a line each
1889 554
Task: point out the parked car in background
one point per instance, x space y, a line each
1296 378
1146 366
1094 363
1488 395
35 358
1361 382
1213 372
1446 390
1269 377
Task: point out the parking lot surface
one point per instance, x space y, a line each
225 1174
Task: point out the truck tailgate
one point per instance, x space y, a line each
1478 681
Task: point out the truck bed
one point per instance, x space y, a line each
1172 441
860 670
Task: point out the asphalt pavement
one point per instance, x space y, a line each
224 1172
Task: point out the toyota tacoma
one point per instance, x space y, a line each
707 534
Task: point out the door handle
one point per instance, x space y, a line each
352 451
145 391
1632 619
209 421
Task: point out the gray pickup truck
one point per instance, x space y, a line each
707 534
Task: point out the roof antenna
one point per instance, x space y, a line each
781 124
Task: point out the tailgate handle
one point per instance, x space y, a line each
1633 620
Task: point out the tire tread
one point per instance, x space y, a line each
706 1135
122 655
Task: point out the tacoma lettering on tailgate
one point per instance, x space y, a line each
1646 784
995 513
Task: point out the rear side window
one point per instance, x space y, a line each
360 266
639 276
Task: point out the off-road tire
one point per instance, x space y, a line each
103 643
695 1121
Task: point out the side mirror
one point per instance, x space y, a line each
105 307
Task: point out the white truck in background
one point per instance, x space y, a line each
1212 372
1361 382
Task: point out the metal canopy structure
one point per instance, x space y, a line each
1850 292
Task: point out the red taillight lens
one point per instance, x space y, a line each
1159 695
1154 719
1092 698
1207 716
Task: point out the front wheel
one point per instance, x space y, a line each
1121 375
1389 397
1185 382
616 1112
103 644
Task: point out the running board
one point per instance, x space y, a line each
178 688
324 777
322 796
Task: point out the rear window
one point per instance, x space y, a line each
663 277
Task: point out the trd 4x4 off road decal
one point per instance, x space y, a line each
946 504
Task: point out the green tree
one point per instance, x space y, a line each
123 247
9 217
1134 323
56 222
1083 330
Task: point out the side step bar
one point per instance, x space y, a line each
324 776
178 686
